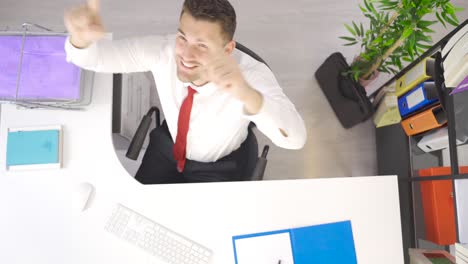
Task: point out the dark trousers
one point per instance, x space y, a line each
159 166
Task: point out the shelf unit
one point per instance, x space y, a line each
395 151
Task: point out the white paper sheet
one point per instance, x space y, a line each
461 187
267 249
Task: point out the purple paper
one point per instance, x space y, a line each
463 86
45 73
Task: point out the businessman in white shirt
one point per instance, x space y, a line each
209 91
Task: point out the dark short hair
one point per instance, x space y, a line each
220 11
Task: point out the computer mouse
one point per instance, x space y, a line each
83 196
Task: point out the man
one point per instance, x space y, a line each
209 91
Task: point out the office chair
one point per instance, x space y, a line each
255 167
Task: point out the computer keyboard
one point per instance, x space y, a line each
155 239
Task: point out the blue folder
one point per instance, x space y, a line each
33 147
326 243
423 95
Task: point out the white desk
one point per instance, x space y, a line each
38 225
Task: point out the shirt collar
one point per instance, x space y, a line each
206 89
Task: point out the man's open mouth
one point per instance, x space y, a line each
188 65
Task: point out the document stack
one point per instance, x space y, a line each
455 59
386 103
35 74
419 98
461 253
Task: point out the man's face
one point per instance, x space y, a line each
198 42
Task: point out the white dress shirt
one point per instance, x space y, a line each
218 123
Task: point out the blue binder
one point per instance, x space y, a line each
33 147
327 243
423 95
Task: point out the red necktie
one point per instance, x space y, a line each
182 130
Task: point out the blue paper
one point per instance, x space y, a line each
328 243
32 147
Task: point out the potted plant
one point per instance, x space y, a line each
397 32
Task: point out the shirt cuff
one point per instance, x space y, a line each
267 117
74 52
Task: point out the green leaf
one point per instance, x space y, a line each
455 18
453 22
377 40
362 30
387 8
409 49
425 23
367 6
351 30
449 8
445 17
422 11
393 70
407 59
362 9
389 42
365 56
428 30
398 62
440 19
405 23
412 41
384 3
383 69
350 44
426 2
407 32
393 4
423 46
421 37
420 51
373 10
348 38
356 29
356 76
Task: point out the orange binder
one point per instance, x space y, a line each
429 119
437 201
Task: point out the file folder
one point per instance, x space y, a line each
34 148
421 72
387 112
436 140
429 119
421 96
326 243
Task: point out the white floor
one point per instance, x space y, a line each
294 37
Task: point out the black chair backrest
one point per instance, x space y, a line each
250 53
251 143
